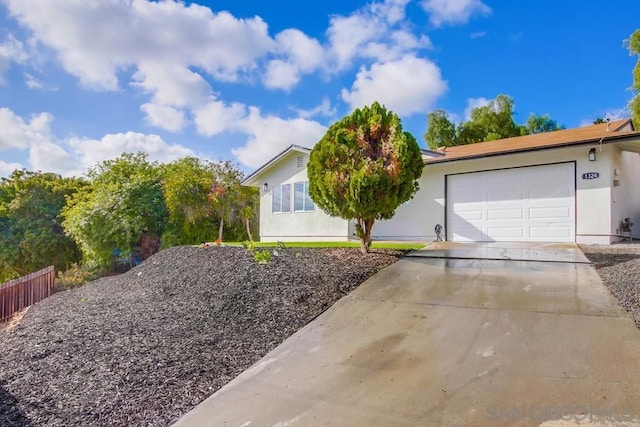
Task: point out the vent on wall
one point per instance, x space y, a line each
300 161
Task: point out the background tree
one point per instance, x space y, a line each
633 45
225 194
364 167
487 123
441 132
31 233
123 203
540 124
185 186
248 208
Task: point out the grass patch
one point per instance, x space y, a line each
374 245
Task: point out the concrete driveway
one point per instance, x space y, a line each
455 334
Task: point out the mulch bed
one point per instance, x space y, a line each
145 347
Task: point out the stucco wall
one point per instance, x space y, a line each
295 226
626 194
593 197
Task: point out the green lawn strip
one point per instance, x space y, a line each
374 245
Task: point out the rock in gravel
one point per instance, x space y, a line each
145 347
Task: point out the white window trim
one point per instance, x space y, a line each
281 212
305 186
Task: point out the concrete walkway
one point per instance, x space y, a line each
453 335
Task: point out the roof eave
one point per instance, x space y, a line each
251 180
607 140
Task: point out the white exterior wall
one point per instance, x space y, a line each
594 223
295 226
625 195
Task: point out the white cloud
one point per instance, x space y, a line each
164 117
474 103
406 86
302 54
215 117
20 134
172 85
269 135
89 152
47 156
303 51
73 155
376 31
95 40
281 75
7 168
32 82
11 50
323 109
444 12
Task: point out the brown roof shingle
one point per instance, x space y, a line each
559 138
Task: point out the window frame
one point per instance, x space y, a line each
282 204
305 197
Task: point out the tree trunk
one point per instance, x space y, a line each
246 223
363 231
220 229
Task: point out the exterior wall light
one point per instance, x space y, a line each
265 187
592 155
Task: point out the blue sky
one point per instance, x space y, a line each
81 82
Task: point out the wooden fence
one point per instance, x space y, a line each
27 290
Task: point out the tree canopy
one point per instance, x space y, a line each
364 167
633 45
487 123
31 233
123 202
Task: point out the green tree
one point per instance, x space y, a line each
487 123
539 124
598 121
123 202
633 45
186 185
364 167
248 208
441 132
225 193
31 232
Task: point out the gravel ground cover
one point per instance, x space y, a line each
145 347
619 268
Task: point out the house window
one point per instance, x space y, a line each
300 161
301 200
281 200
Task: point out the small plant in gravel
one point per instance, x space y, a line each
73 277
249 245
262 257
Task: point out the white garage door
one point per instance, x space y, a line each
534 203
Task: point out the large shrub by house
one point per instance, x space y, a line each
364 167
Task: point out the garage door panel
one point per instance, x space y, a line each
530 203
561 213
504 196
505 214
545 233
506 233
465 216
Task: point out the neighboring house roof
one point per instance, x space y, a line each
600 133
252 179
